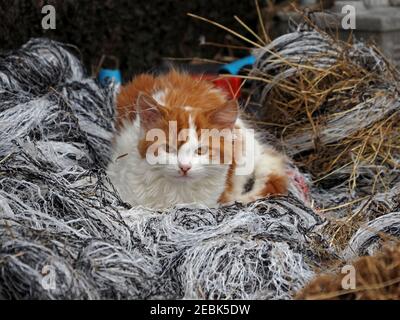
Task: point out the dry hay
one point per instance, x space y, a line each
377 277
334 105
344 226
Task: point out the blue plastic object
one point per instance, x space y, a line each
235 66
110 74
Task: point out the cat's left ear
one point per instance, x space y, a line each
226 115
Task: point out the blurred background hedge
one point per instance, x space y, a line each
138 33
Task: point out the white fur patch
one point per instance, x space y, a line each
157 186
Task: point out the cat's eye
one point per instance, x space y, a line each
202 150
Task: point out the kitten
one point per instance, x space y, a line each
164 154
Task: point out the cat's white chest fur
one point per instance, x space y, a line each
140 183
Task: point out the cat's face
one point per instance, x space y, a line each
187 129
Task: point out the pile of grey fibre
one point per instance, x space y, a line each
65 235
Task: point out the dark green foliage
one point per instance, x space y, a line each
138 33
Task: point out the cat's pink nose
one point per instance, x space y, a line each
185 168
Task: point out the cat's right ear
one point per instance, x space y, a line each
149 112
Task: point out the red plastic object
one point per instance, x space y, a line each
231 85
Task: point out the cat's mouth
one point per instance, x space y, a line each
184 177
